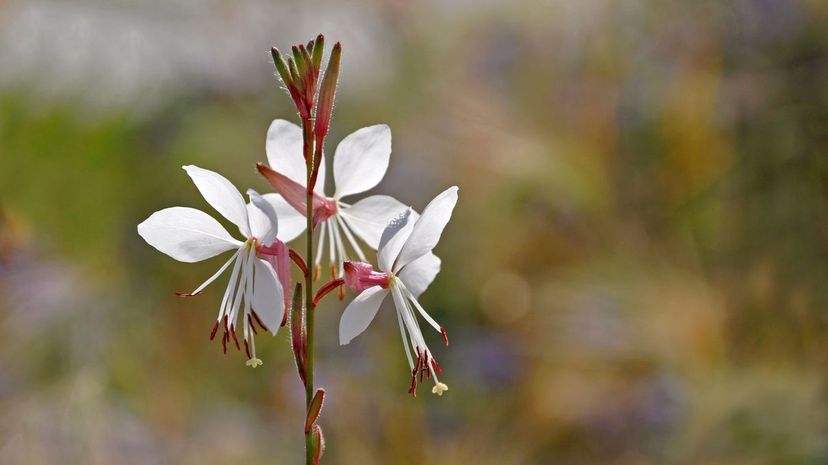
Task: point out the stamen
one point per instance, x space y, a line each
343 222
250 324
436 366
331 245
247 350
211 278
259 321
405 344
215 329
233 334
340 247
445 336
318 259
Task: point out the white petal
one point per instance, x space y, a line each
186 234
429 227
319 188
418 275
222 195
361 160
368 217
264 223
284 150
268 297
393 238
284 147
360 312
291 222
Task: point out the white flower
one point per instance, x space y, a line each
190 235
407 267
360 162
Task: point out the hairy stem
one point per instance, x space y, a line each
307 132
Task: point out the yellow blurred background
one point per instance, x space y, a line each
636 272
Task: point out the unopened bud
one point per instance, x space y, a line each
281 66
327 94
316 52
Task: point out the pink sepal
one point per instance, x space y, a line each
360 276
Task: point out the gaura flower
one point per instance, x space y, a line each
190 235
360 162
406 268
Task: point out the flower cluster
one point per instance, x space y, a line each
258 293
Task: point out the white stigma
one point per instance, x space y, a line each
254 362
439 389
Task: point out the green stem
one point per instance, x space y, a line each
307 132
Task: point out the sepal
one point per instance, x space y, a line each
318 444
298 336
314 409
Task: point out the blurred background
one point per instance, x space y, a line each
636 273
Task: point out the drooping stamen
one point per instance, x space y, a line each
331 247
445 336
340 247
420 308
318 259
214 331
251 325
224 336
436 366
233 335
209 280
347 230
247 350
259 321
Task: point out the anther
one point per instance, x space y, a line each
233 334
445 336
259 320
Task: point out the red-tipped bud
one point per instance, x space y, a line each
281 67
316 53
